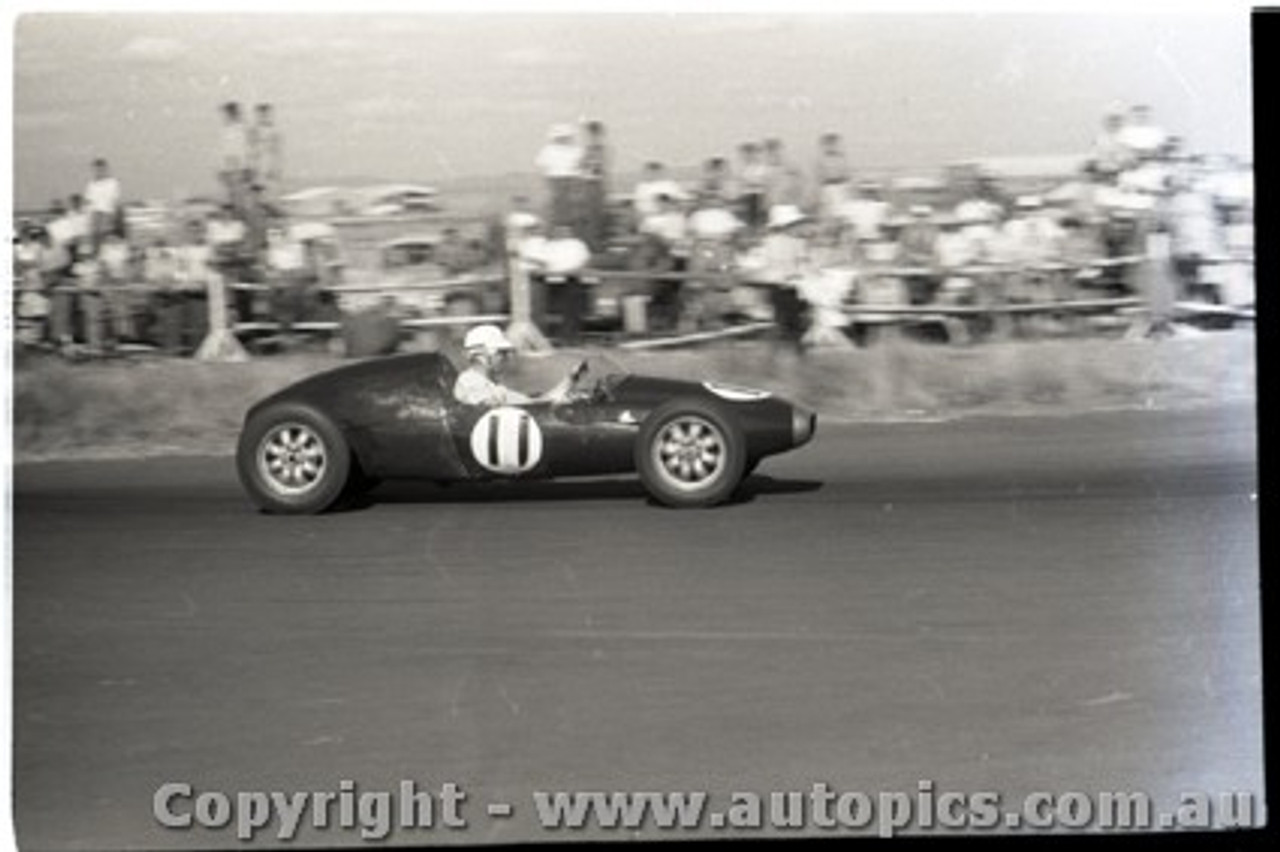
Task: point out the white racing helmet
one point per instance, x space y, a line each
486 338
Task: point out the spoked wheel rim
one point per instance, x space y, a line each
689 453
292 459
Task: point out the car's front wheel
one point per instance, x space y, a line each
293 460
689 454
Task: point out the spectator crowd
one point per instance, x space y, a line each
762 238
750 237
89 282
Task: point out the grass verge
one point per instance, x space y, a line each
157 407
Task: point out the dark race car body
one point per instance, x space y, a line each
692 442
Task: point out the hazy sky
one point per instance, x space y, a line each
425 97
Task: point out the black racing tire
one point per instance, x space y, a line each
689 454
359 483
293 460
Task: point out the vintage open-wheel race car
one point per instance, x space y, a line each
336 434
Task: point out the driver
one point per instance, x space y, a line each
487 351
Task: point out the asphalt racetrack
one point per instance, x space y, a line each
1011 605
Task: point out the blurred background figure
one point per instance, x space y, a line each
785 182
712 233
560 162
116 275
715 186
831 175
918 242
32 308
266 153
652 183
593 187
289 277
1111 154
753 184
563 257
102 192
866 213
1029 240
778 266
234 170
664 248
1141 136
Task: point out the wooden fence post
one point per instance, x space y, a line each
220 344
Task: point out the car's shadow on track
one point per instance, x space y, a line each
411 492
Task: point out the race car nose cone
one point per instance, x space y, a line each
803 424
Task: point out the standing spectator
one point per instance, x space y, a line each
714 187
831 174
1194 238
754 186
1030 240
80 223
227 240
115 264
564 256
1141 136
953 253
919 244
259 215
103 195
866 213
234 167
665 250
712 230
266 152
187 320
94 309
653 184
785 182
593 184
780 265
288 277
1111 155
560 161
32 309
56 264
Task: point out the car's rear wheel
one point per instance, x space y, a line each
689 454
293 460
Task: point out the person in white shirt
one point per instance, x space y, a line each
487 350
780 264
668 224
102 194
560 162
78 221
653 184
1029 241
564 256
115 263
866 213
1141 136
183 310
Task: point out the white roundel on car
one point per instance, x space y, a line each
507 440
735 393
